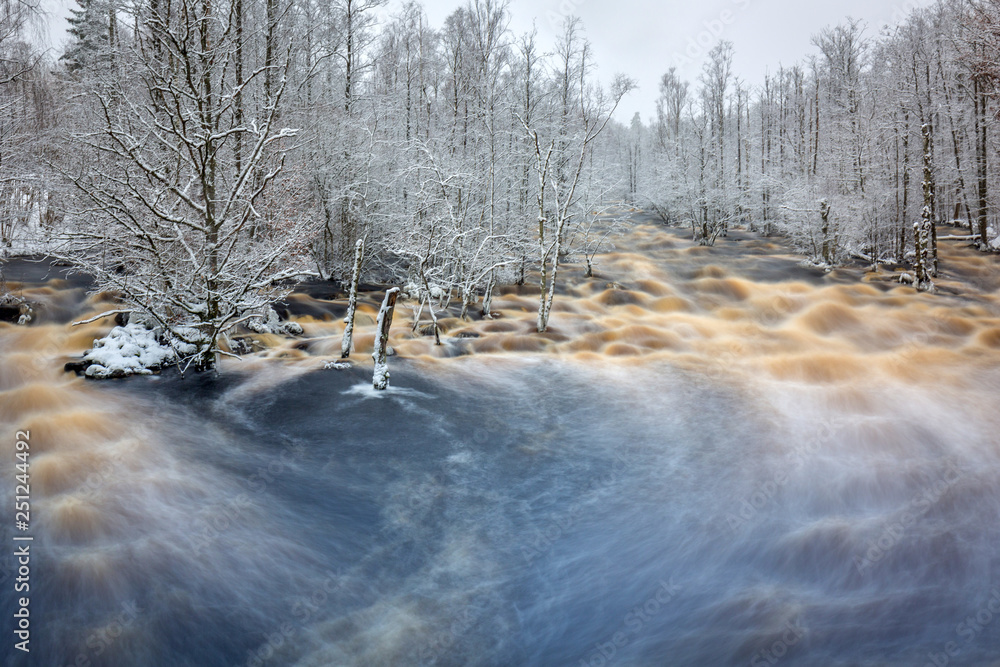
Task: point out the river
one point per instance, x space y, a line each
715 457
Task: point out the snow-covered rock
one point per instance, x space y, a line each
268 323
129 350
16 310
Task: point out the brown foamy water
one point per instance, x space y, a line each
750 428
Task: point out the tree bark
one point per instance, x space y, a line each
923 230
380 379
352 301
980 100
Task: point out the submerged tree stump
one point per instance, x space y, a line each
380 379
352 302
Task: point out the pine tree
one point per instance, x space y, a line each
93 28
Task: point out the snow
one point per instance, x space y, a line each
27 314
181 334
412 290
27 236
268 323
366 390
336 366
380 378
129 350
461 458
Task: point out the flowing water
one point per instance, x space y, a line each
714 457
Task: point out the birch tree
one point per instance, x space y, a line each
559 162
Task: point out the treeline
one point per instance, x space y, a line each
858 151
193 154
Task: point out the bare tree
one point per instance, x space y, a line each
558 206
166 221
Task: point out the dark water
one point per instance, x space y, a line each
532 511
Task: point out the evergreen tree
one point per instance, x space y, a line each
93 28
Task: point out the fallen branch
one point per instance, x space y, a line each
101 316
959 237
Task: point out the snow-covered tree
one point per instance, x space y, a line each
170 220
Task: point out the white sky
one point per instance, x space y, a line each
54 29
643 39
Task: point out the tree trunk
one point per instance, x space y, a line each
269 44
240 81
380 379
548 283
824 213
488 295
982 214
352 301
923 230
430 309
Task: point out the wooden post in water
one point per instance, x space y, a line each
380 380
352 302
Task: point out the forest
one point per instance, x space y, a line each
198 157
707 387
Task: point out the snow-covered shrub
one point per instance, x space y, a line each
129 350
412 290
268 323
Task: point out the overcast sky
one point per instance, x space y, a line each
644 39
